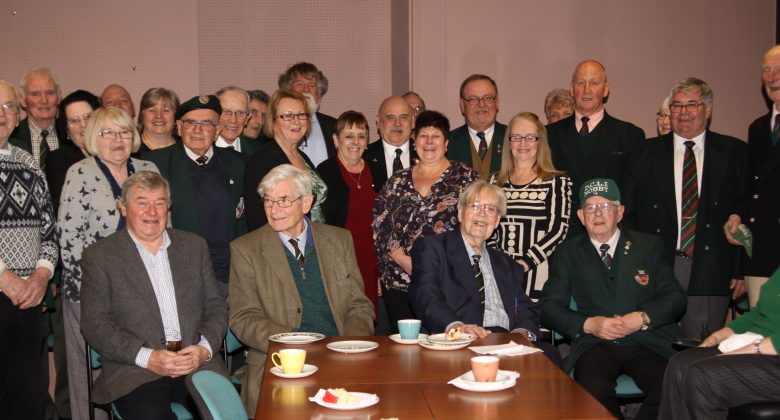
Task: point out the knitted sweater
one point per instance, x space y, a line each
27 238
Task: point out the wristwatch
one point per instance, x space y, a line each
645 320
757 343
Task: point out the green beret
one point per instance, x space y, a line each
602 187
199 102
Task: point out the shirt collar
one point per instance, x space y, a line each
390 149
301 237
166 242
679 142
488 132
194 157
612 242
593 119
470 250
6 150
236 145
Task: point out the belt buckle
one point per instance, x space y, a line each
174 346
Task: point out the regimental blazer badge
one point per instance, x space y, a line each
641 277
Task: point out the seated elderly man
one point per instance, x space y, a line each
150 306
28 255
292 275
615 296
454 286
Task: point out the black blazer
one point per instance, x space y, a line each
614 142
336 205
759 207
651 206
21 136
257 166
377 164
443 290
57 164
328 126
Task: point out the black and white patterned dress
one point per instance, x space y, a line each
536 222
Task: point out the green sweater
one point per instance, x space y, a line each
764 319
316 316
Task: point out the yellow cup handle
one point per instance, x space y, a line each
279 363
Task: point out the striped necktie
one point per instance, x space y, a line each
480 280
482 145
44 149
298 253
397 165
776 130
690 200
605 258
584 130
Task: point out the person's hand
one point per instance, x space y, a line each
399 256
738 288
168 363
604 327
195 356
12 286
35 288
717 337
523 331
523 263
730 228
632 322
473 329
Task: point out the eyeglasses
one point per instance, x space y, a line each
76 121
240 115
301 116
254 114
112 135
419 108
517 138
283 202
10 108
205 125
474 100
603 207
692 107
661 116
489 209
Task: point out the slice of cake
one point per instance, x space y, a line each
339 396
453 334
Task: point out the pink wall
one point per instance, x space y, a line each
371 49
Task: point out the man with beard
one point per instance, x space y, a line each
393 151
234 116
307 79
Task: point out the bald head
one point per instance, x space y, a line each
116 96
395 120
589 87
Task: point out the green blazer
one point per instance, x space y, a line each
577 280
172 163
459 147
21 136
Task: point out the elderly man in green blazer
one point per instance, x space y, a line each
615 296
292 275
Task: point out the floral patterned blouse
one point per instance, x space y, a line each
320 191
401 215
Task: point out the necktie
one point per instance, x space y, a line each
479 279
482 145
298 253
776 130
397 165
605 258
230 147
202 160
690 200
44 149
584 130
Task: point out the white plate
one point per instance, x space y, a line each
307 370
364 400
504 380
397 338
296 337
442 339
352 346
436 346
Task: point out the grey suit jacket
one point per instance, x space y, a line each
264 299
119 311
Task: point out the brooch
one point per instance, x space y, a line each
641 277
627 248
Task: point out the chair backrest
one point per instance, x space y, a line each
215 396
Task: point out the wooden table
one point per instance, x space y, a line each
411 383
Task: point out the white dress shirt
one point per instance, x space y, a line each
389 150
314 144
236 145
190 154
488 136
612 242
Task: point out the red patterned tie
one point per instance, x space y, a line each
690 201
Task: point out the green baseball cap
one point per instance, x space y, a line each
602 187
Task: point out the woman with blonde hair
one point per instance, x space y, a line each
538 200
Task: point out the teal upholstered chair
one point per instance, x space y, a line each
215 396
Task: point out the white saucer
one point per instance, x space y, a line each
437 346
307 370
442 339
296 337
363 400
397 338
505 379
352 346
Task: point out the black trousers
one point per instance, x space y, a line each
598 368
21 347
152 401
700 384
397 304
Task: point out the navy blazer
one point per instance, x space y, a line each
443 289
